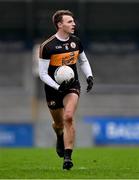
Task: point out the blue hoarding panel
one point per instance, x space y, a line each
114 129
16 135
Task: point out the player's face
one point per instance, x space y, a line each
68 24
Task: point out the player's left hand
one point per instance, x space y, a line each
90 82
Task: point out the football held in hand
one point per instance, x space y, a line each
63 73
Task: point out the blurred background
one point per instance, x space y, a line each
109 30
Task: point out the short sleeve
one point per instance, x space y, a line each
44 52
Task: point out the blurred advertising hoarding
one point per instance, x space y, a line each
114 130
16 135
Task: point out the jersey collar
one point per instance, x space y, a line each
56 35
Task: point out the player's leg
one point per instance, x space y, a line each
54 101
57 125
70 104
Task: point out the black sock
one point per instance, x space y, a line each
60 136
67 153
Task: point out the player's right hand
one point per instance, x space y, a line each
66 85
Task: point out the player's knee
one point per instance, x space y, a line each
68 117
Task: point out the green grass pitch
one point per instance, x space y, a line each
89 163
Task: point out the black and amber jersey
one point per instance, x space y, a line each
61 53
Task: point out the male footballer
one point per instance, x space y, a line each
63 48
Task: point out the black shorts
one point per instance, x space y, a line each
54 98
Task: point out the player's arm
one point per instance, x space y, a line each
86 69
84 65
44 76
44 61
43 72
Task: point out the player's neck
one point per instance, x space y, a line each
62 36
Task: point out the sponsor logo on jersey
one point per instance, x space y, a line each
64 58
58 47
69 59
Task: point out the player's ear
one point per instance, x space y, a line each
59 24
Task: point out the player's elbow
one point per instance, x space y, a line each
42 76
